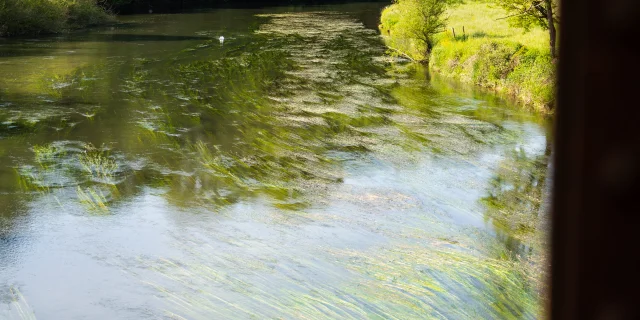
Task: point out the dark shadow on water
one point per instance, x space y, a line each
121 37
21 51
44 46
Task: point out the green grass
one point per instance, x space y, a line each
490 53
484 20
33 17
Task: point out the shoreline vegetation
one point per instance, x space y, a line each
472 43
40 17
479 46
36 17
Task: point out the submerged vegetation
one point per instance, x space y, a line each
430 280
516 207
19 306
480 46
293 171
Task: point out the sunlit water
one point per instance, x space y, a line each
295 171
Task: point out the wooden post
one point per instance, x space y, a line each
464 34
454 32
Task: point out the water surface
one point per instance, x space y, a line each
296 171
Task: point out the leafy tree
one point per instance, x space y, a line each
421 20
527 13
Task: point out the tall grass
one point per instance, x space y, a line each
33 17
489 53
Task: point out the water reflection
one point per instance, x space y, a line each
516 195
516 206
334 180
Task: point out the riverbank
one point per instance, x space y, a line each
484 51
34 17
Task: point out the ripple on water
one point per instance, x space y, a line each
295 172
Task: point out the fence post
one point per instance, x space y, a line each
454 32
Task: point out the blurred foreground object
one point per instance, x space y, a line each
596 209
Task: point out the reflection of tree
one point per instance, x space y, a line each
515 207
223 118
259 121
270 115
516 193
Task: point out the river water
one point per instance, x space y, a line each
294 171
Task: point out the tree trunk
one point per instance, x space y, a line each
552 28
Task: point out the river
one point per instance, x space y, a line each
295 170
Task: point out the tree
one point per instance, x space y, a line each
421 19
527 13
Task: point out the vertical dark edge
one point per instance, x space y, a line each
596 199
566 205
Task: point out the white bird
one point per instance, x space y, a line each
221 39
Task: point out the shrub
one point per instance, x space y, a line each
492 53
411 25
33 17
508 67
86 13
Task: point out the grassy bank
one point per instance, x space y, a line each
33 17
489 53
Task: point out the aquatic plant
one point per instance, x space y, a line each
44 154
272 133
417 281
98 163
93 198
20 306
438 280
67 164
29 180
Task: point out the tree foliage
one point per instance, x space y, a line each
29 17
421 20
158 6
528 13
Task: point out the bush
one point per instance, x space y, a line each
493 63
507 67
33 17
411 24
84 13
491 53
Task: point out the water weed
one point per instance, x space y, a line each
19 306
93 199
98 164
